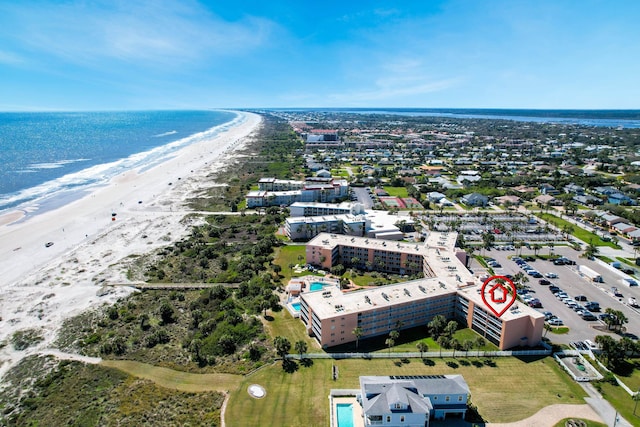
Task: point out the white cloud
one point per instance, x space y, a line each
394 90
10 58
157 32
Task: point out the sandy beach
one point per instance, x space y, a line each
41 285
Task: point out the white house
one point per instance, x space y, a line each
412 401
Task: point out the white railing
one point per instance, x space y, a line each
426 354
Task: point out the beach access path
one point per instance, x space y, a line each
41 285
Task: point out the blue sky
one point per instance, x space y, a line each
94 55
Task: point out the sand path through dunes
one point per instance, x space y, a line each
42 286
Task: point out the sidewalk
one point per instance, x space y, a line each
602 407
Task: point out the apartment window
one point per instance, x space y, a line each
398 406
459 398
388 418
402 419
446 399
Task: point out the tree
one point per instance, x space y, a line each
357 332
480 342
591 250
300 347
166 312
454 343
466 346
451 328
282 346
393 337
144 321
443 342
338 270
488 239
390 343
536 247
612 350
437 325
422 347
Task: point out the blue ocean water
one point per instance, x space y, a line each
45 155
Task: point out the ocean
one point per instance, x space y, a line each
46 156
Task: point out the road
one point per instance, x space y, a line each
363 196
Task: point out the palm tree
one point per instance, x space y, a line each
451 328
357 332
443 342
455 345
466 346
300 347
422 347
480 342
389 342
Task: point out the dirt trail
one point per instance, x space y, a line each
169 378
550 415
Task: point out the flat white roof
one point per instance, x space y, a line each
448 275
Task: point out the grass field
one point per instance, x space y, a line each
527 386
284 324
396 191
620 400
287 255
178 380
578 232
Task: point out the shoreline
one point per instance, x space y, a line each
42 286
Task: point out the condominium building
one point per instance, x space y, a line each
447 289
276 192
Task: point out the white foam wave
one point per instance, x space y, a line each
160 135
54 165
102 173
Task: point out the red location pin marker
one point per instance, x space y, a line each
498 293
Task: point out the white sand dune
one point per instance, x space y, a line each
42 286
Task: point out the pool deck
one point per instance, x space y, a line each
358 420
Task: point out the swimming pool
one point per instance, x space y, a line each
344 413
296 306
316 286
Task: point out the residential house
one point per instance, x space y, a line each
412 400
475 199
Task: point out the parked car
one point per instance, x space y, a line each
587 315
555 322
554 289
544 282
551 275
580 298
592 306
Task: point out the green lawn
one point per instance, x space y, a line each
339 172
620 400
287 255
396 191
300 398
283 324
578 232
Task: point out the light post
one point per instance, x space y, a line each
636 398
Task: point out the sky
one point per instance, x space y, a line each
185 54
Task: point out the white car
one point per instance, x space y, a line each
555 322
551 275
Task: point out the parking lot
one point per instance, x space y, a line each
571 282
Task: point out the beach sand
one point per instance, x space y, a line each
42 286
